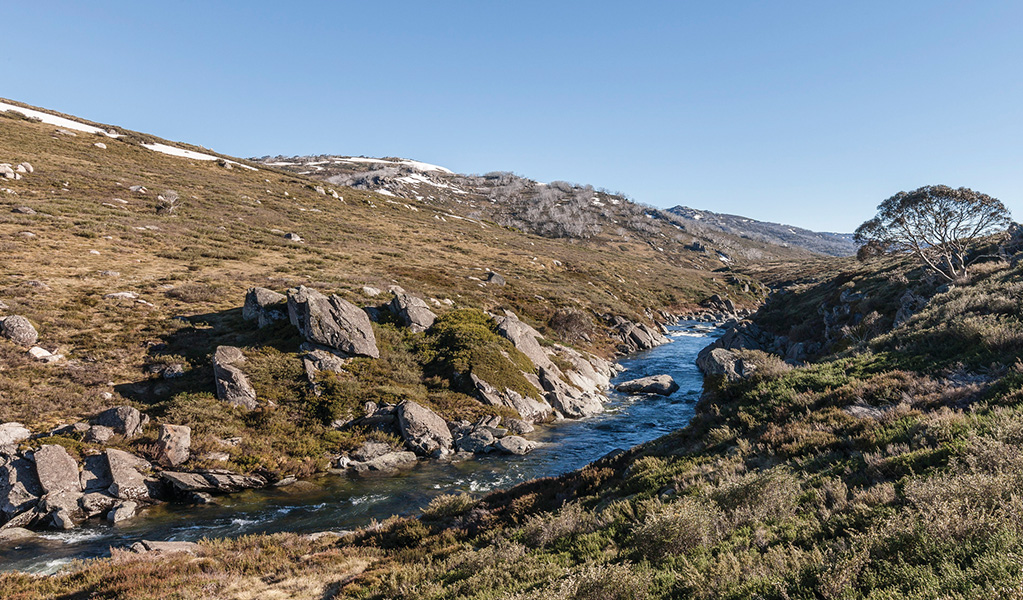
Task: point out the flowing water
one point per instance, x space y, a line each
337 503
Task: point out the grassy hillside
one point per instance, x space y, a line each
888 470
88 234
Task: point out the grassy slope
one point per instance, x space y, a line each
774 491
227 236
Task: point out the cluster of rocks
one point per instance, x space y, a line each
9 171
426 434
718 310
20 331
44 486
633 337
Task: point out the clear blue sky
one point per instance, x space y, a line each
809 113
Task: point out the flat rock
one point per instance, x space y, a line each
211 481
663 385
13 433
14 534
513 444
332 322
387 464
151 547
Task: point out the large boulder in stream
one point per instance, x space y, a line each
332 322
424 431
663 385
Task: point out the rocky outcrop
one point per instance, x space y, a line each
124 420
56 470
719 362
663 385
332 322
412 312
19 330
530 409
232 385
172 447
634 337
571 402
264 306
423 430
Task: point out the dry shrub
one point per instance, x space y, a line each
759 496
194 293
679 527
611 582
877 495
545 529
448 505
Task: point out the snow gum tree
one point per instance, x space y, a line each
935 223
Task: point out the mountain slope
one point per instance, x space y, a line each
833 244
131 256
556 210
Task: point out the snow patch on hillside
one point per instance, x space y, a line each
55 120
181 152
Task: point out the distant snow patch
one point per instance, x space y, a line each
172 151
415 164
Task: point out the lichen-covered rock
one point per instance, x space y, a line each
56 470
332 322
423 430
19 486
412 312
126 481
264 306
233 386
12 433
19 330
173 444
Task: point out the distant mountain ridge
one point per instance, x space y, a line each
832 244
560 209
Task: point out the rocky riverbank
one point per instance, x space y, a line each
99 468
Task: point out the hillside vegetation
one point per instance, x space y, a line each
133 264
888 468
